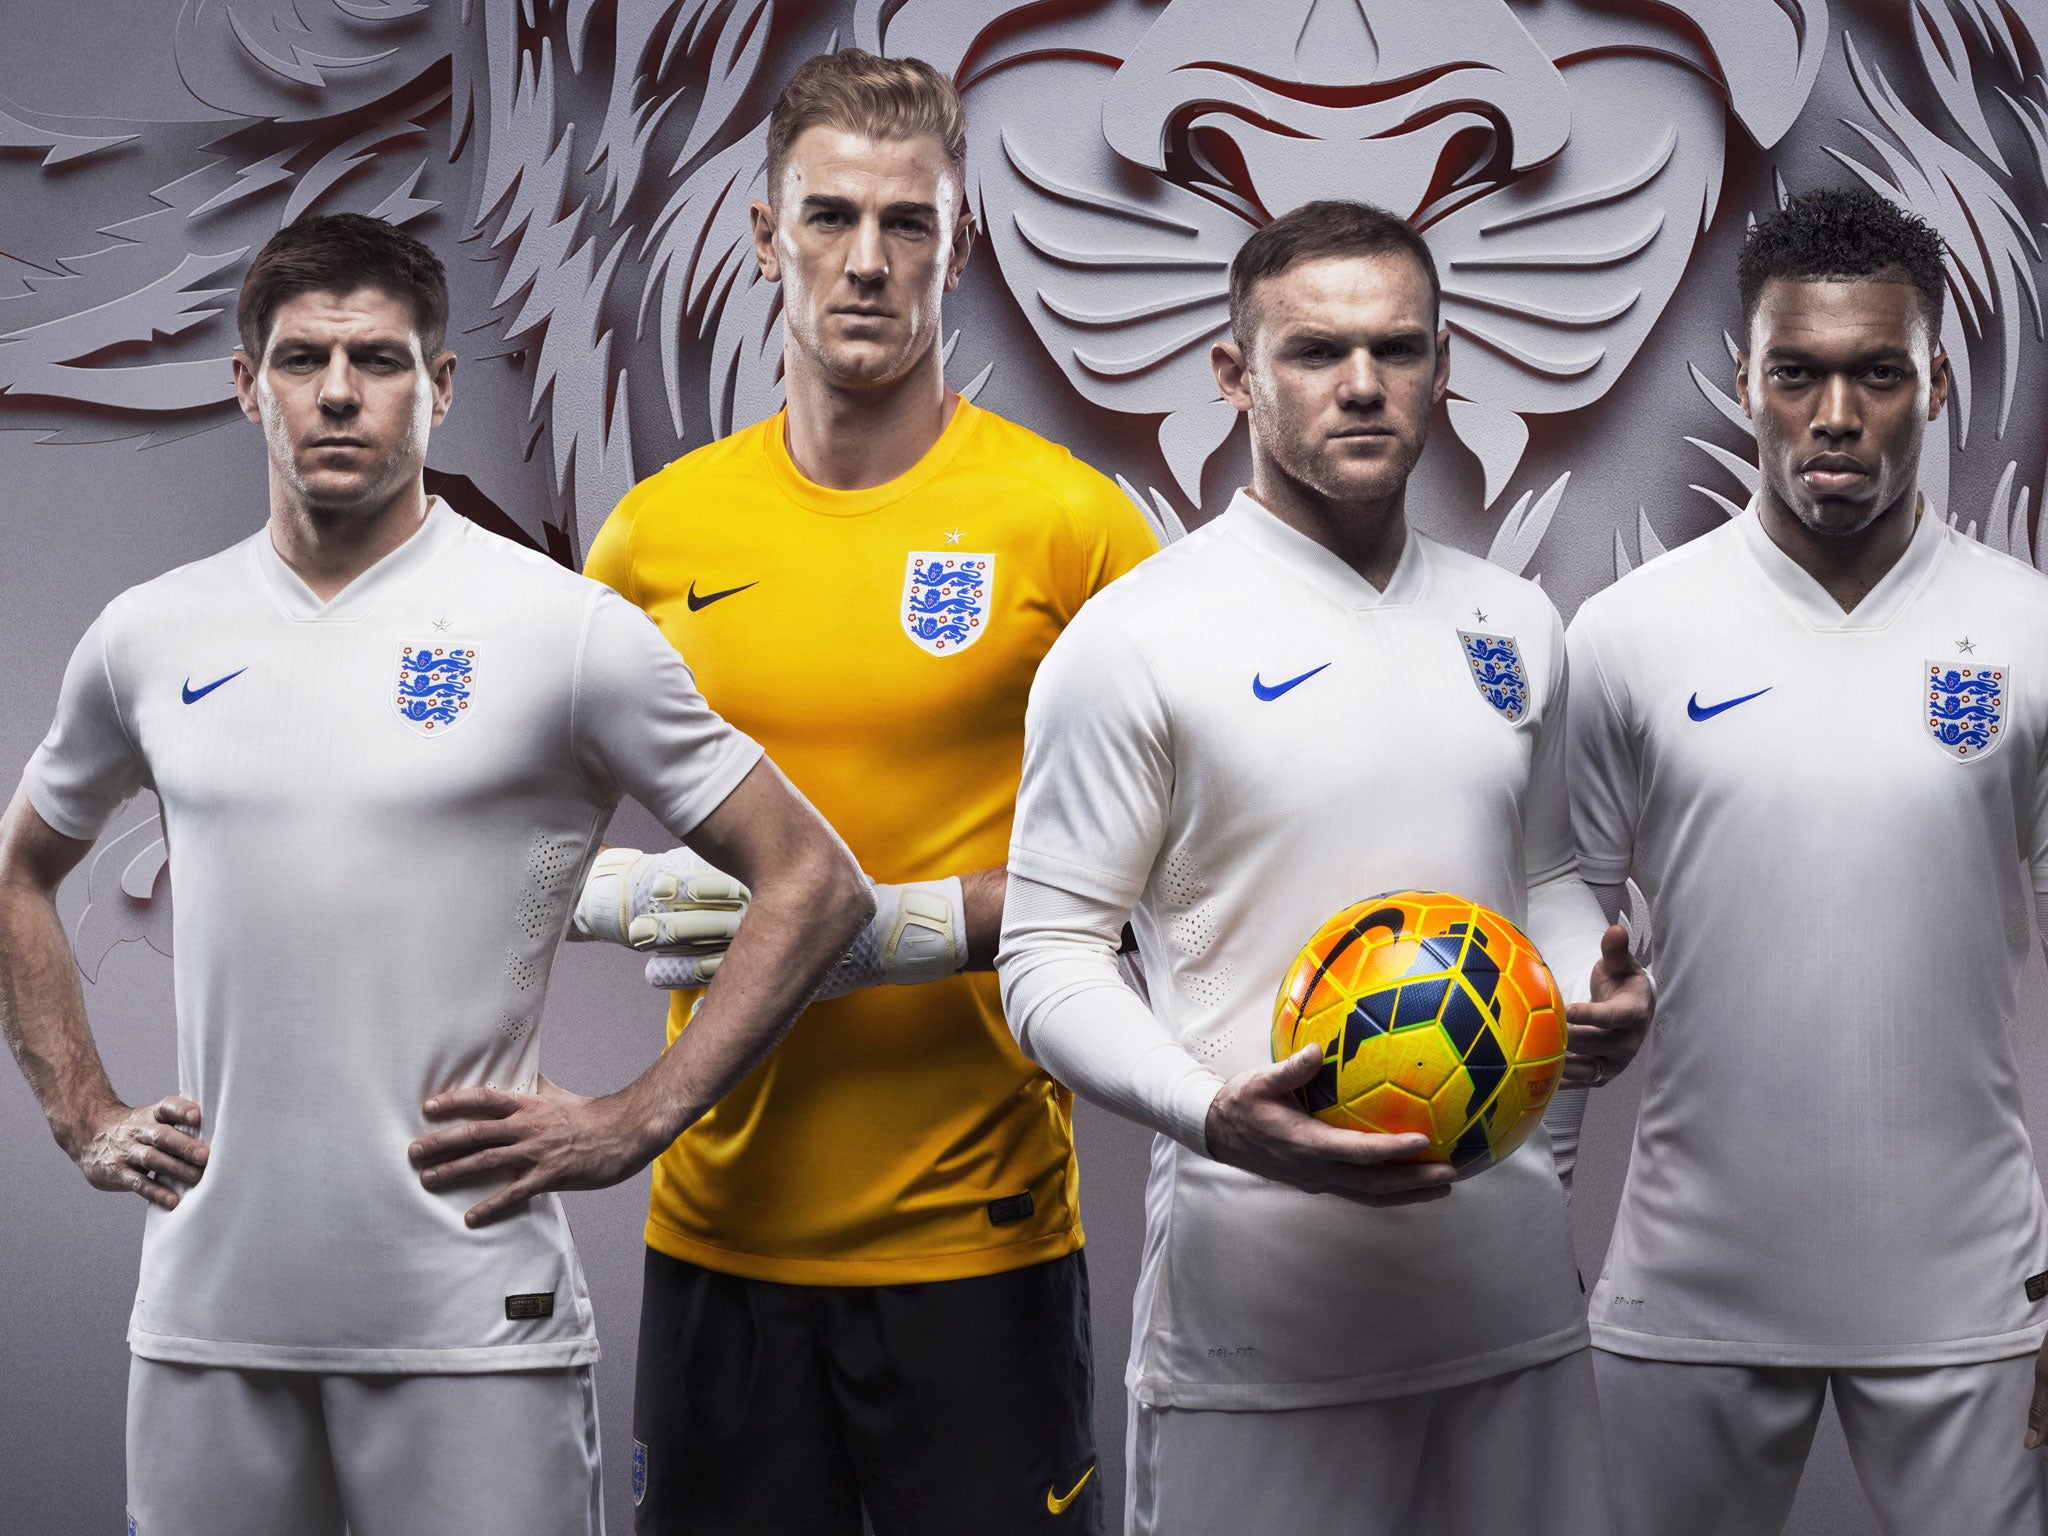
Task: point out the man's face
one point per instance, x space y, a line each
345 397
866 236
1341 371
1841 380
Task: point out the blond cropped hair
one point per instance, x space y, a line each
863 93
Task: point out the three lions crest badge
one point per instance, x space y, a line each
1965 706
432 691
1497 671
946 599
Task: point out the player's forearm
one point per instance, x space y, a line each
801 921
1073 1015
1566 922
983 891
42 1012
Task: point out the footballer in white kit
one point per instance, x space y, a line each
1816 738
1273 718
382 773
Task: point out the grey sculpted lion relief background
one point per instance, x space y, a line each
1583 170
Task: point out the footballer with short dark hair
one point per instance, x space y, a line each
1815 737
384 743
1287 711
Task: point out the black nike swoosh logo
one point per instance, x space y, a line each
707 599
194 695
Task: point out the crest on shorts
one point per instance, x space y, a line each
1497 671
433 687
639 1473
1964 705
946 599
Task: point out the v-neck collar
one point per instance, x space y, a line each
1810 601
1301 556
440 527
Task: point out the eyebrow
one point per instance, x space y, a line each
372 343
1886 354
1296 335
825 201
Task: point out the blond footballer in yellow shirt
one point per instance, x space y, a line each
864 1281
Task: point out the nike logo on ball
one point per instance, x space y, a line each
1700 711
1272 691
707 599
194 695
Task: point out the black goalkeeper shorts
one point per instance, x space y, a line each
948 1408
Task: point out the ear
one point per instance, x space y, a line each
1742 384
245 385
1442 386
763 219
1941 379
1226 360
964 231
441 373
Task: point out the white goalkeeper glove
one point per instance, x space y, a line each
673 903
919 934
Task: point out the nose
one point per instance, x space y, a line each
1835 412
339 394
1359 386
867 262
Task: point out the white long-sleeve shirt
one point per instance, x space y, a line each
1228 745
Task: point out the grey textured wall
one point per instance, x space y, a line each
584 169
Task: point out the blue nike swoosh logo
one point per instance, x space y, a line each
1269 694
194 695
1692 705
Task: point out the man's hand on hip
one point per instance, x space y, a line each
544 1140
145 1151
1256 1123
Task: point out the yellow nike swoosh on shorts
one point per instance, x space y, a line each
1058 1503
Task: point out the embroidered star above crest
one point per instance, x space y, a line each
954 537
1479 615
1965 646
441 624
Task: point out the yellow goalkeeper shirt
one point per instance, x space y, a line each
880 644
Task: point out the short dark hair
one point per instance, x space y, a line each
878 98
339 253
1320 229
1843 232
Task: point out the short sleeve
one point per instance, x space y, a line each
1113 534
1098 771
1601 766
1547 849
2037 837
641 728
610 557
88 765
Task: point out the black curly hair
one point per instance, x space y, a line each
1839 232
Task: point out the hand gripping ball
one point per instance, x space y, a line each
1434 1015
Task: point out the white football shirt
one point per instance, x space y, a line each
1233 742
378 810
1833 815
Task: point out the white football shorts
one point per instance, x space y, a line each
1716 1450
214 1451
1519 1452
